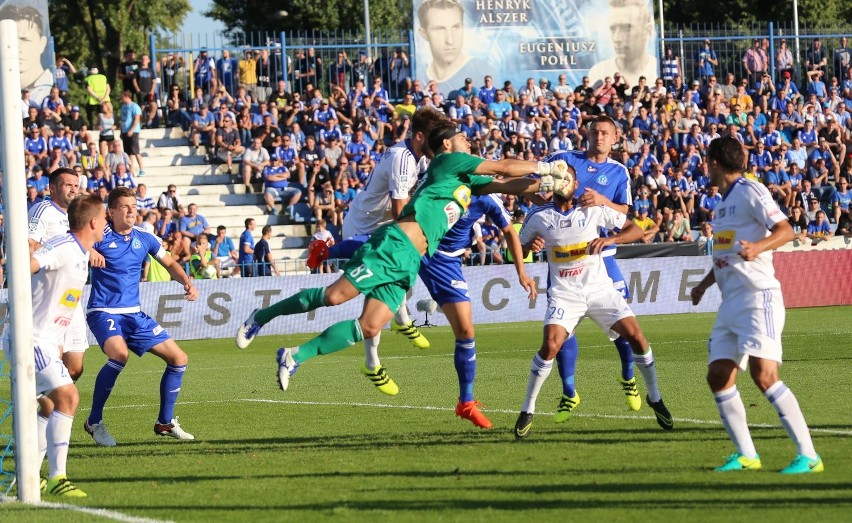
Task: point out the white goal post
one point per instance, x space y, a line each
18 266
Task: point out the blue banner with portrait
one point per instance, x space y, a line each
519 39
34 53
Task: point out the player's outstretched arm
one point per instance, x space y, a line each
592 198
514 245
628 234
179 275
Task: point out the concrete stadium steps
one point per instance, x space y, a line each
167 159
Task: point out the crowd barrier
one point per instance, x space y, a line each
657 286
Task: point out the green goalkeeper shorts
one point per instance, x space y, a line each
385 267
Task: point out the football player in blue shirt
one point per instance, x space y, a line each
442 275
115 317
603 181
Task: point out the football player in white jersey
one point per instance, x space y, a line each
748 225
60 269
47 220
380 201
578 287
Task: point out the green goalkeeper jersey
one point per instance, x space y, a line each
444 195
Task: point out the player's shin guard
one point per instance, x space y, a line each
42 438
539 371
335 338
103 388
169 390
58 438
733 414
648 369
788 409
371 352
465 362
566 364
625 354
303 301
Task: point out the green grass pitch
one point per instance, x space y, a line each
333 448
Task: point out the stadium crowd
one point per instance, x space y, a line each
312 136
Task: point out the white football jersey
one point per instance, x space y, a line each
394 177
57 287
746 212
566 237
46 221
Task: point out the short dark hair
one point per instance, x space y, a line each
82 209
119 192
728 152
53 179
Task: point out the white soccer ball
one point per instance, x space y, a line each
209 272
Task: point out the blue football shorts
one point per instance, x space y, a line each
443 278
139 330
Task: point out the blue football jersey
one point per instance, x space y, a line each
458 238
115 288
609 178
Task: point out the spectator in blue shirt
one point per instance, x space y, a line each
707 204
819 229
246 255
193 225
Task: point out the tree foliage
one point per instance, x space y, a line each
242 17
734 12
96 32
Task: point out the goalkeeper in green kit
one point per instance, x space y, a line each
386 267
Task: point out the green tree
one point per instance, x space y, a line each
735 12
243 18
96 32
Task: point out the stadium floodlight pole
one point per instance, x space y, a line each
796 28
20 290
367 32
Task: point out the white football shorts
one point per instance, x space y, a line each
752 330
605 307
50 371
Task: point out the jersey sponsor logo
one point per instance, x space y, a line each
136 244
573 271
602 180
569 253
70 298
62 321
564 223
453 213
592 169
724 240
462 196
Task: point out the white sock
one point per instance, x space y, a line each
58 438
645 362
788 409
733 414
371 352
539 371
42 439
401 316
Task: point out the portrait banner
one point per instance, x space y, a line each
33 50
519 39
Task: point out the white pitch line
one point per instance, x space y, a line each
101 512
694 421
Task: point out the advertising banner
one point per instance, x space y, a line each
519 39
